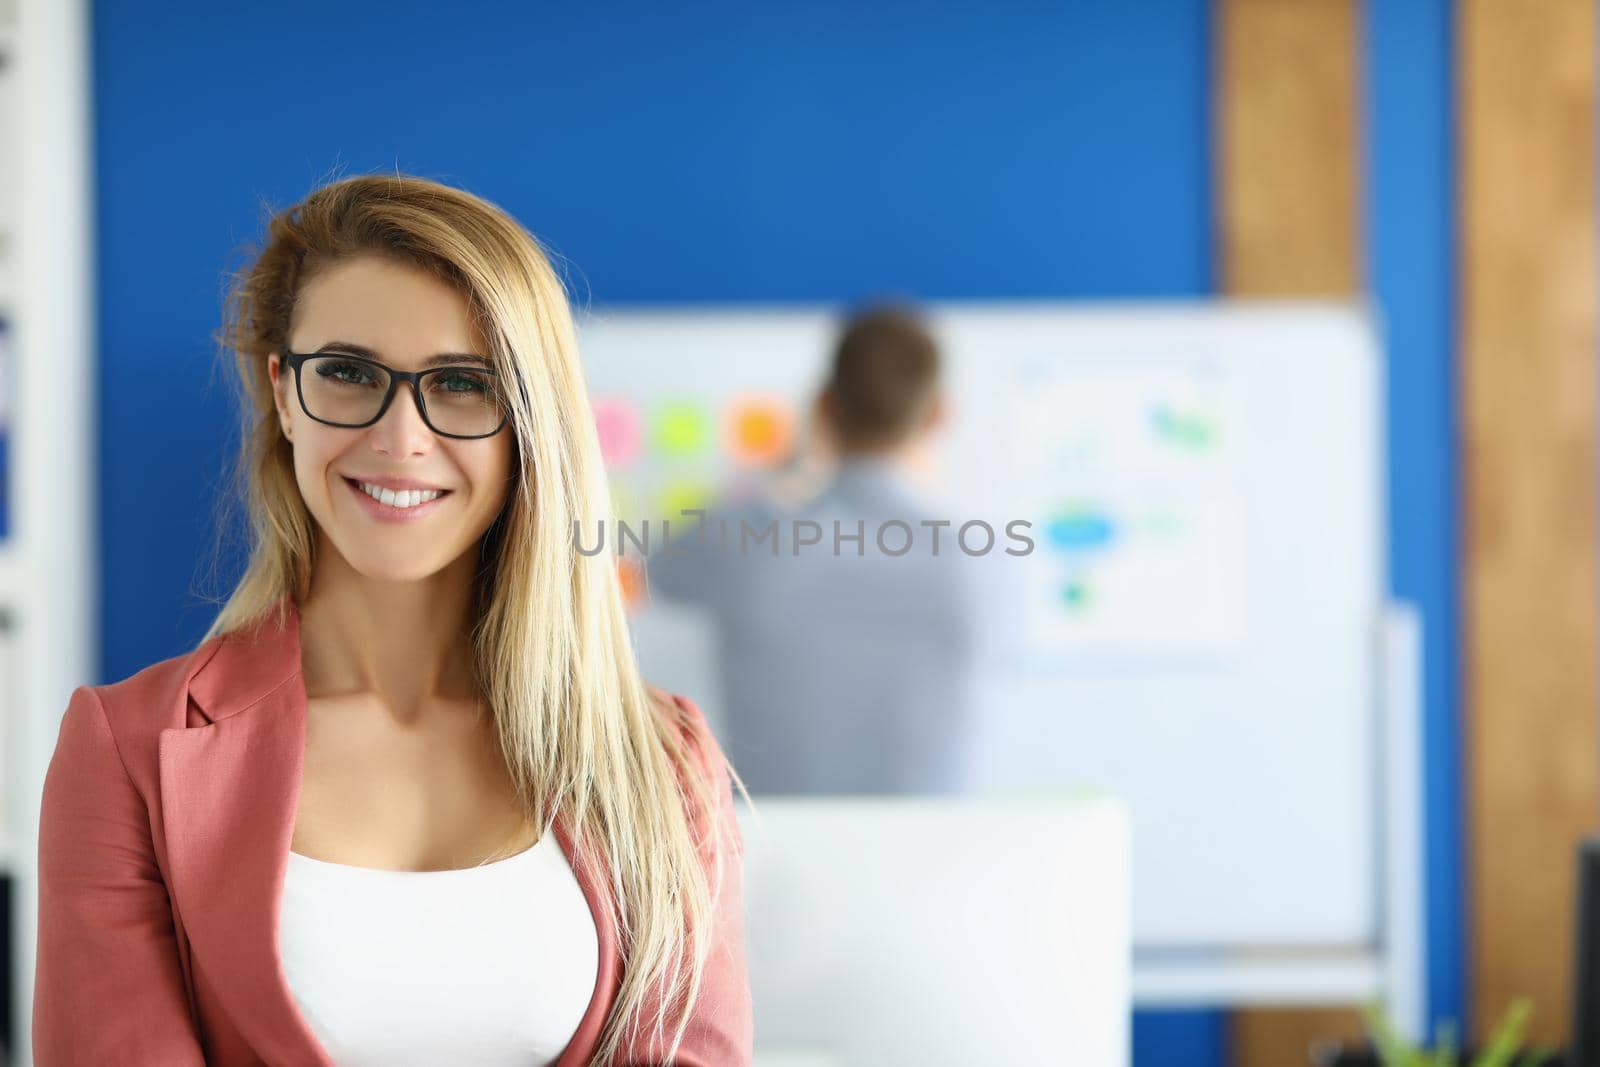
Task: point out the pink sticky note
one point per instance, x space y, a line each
618 423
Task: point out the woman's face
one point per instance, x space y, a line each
403 316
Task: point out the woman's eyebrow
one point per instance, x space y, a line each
432 361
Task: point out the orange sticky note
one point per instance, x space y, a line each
630 571
759 430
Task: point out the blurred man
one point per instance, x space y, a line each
846 658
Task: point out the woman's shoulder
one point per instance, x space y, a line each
707 752
673 705
683 712
142 704
115 727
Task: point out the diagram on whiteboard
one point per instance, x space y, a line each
1132 474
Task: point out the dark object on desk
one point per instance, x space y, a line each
1585 1039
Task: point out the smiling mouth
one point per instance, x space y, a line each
403 499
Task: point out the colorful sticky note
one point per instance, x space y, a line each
630 572
759 429
617 421
680 429
678 496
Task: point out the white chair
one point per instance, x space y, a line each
928 931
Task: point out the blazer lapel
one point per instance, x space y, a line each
230 787
591 877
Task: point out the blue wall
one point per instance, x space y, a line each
728 152
1411 246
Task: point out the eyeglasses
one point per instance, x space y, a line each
352 391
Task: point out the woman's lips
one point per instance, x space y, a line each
388 512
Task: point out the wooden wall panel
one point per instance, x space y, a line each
1287 131
1527 286
1286 135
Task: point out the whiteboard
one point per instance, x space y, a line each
1197 625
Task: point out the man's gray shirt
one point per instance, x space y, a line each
845 669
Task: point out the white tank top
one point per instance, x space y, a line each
482 966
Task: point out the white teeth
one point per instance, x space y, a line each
406 498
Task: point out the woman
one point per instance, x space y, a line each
324 835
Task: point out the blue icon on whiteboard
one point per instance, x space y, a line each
1080 530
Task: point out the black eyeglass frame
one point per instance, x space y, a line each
295 359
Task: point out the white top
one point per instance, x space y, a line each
481 966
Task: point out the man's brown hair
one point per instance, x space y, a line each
885 373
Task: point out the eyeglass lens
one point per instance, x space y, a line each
457 400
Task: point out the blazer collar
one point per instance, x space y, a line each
247 665
230 787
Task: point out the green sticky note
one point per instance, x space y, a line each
681 429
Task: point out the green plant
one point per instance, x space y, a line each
1395 1051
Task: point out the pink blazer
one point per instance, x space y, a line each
167 815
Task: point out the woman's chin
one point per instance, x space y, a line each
378 567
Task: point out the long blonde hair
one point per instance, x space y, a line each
579 729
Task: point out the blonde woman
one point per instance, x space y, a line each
409 802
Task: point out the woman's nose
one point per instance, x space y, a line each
402 429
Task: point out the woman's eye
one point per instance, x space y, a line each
349 373
463 382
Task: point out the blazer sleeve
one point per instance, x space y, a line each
108 984
721 1027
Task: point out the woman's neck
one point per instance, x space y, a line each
407 643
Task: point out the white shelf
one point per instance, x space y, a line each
10 572
47 562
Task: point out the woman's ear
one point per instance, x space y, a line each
279 384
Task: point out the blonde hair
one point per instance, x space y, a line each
580 731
